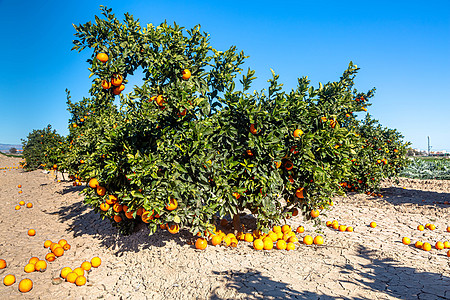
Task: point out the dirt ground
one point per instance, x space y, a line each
369 263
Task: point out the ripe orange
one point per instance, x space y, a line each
285 228
103 57
448 253
19 186
79 271
342 228
117 218
29 268
328 223
281 245
104 206
253 129
248 237
9 279
81 280
258 244
116 80
201 244
22 203
59 251
2 264
50 256
268 244
406 240
71 277
65 271
173 204
448 229
25 285
421 228
432 227
446 244
117 207
373 224
96 261
186 74
308 240
315 213
47 243
300 229
93 183
31 232
290 246
101 191
418 244
62 242
350 229
40 266
318 240
292 239
298 133
427 225
33 260
111 199
66 247
216 240
29 205
273 236
439 246
17 207
86 266
426 246
276 229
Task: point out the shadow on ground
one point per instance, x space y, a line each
398 196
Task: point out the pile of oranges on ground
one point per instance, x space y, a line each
77 275
425 245
280 237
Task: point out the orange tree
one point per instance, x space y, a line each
36 145
187 147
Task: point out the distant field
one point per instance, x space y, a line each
428 168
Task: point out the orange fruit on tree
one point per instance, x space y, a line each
147 216
117 207
51 256
315 213
59 251
111 199
160 100
129 214
174 228
25 285
426 246
258 244
65 271
33 260
318 240
93 183
140 211
31 232
308 240
186 74
290 246
29 205
173 204
406 240
79 271
439 245
216 240
81 280
106 84
300 229
103 57
373 224
421 228
104 206
253 129
418 244
116 80
101 191
40 266
29 268
117 218
281 245
2 264
298 133
9 279
71 277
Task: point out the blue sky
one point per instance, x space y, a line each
402 48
